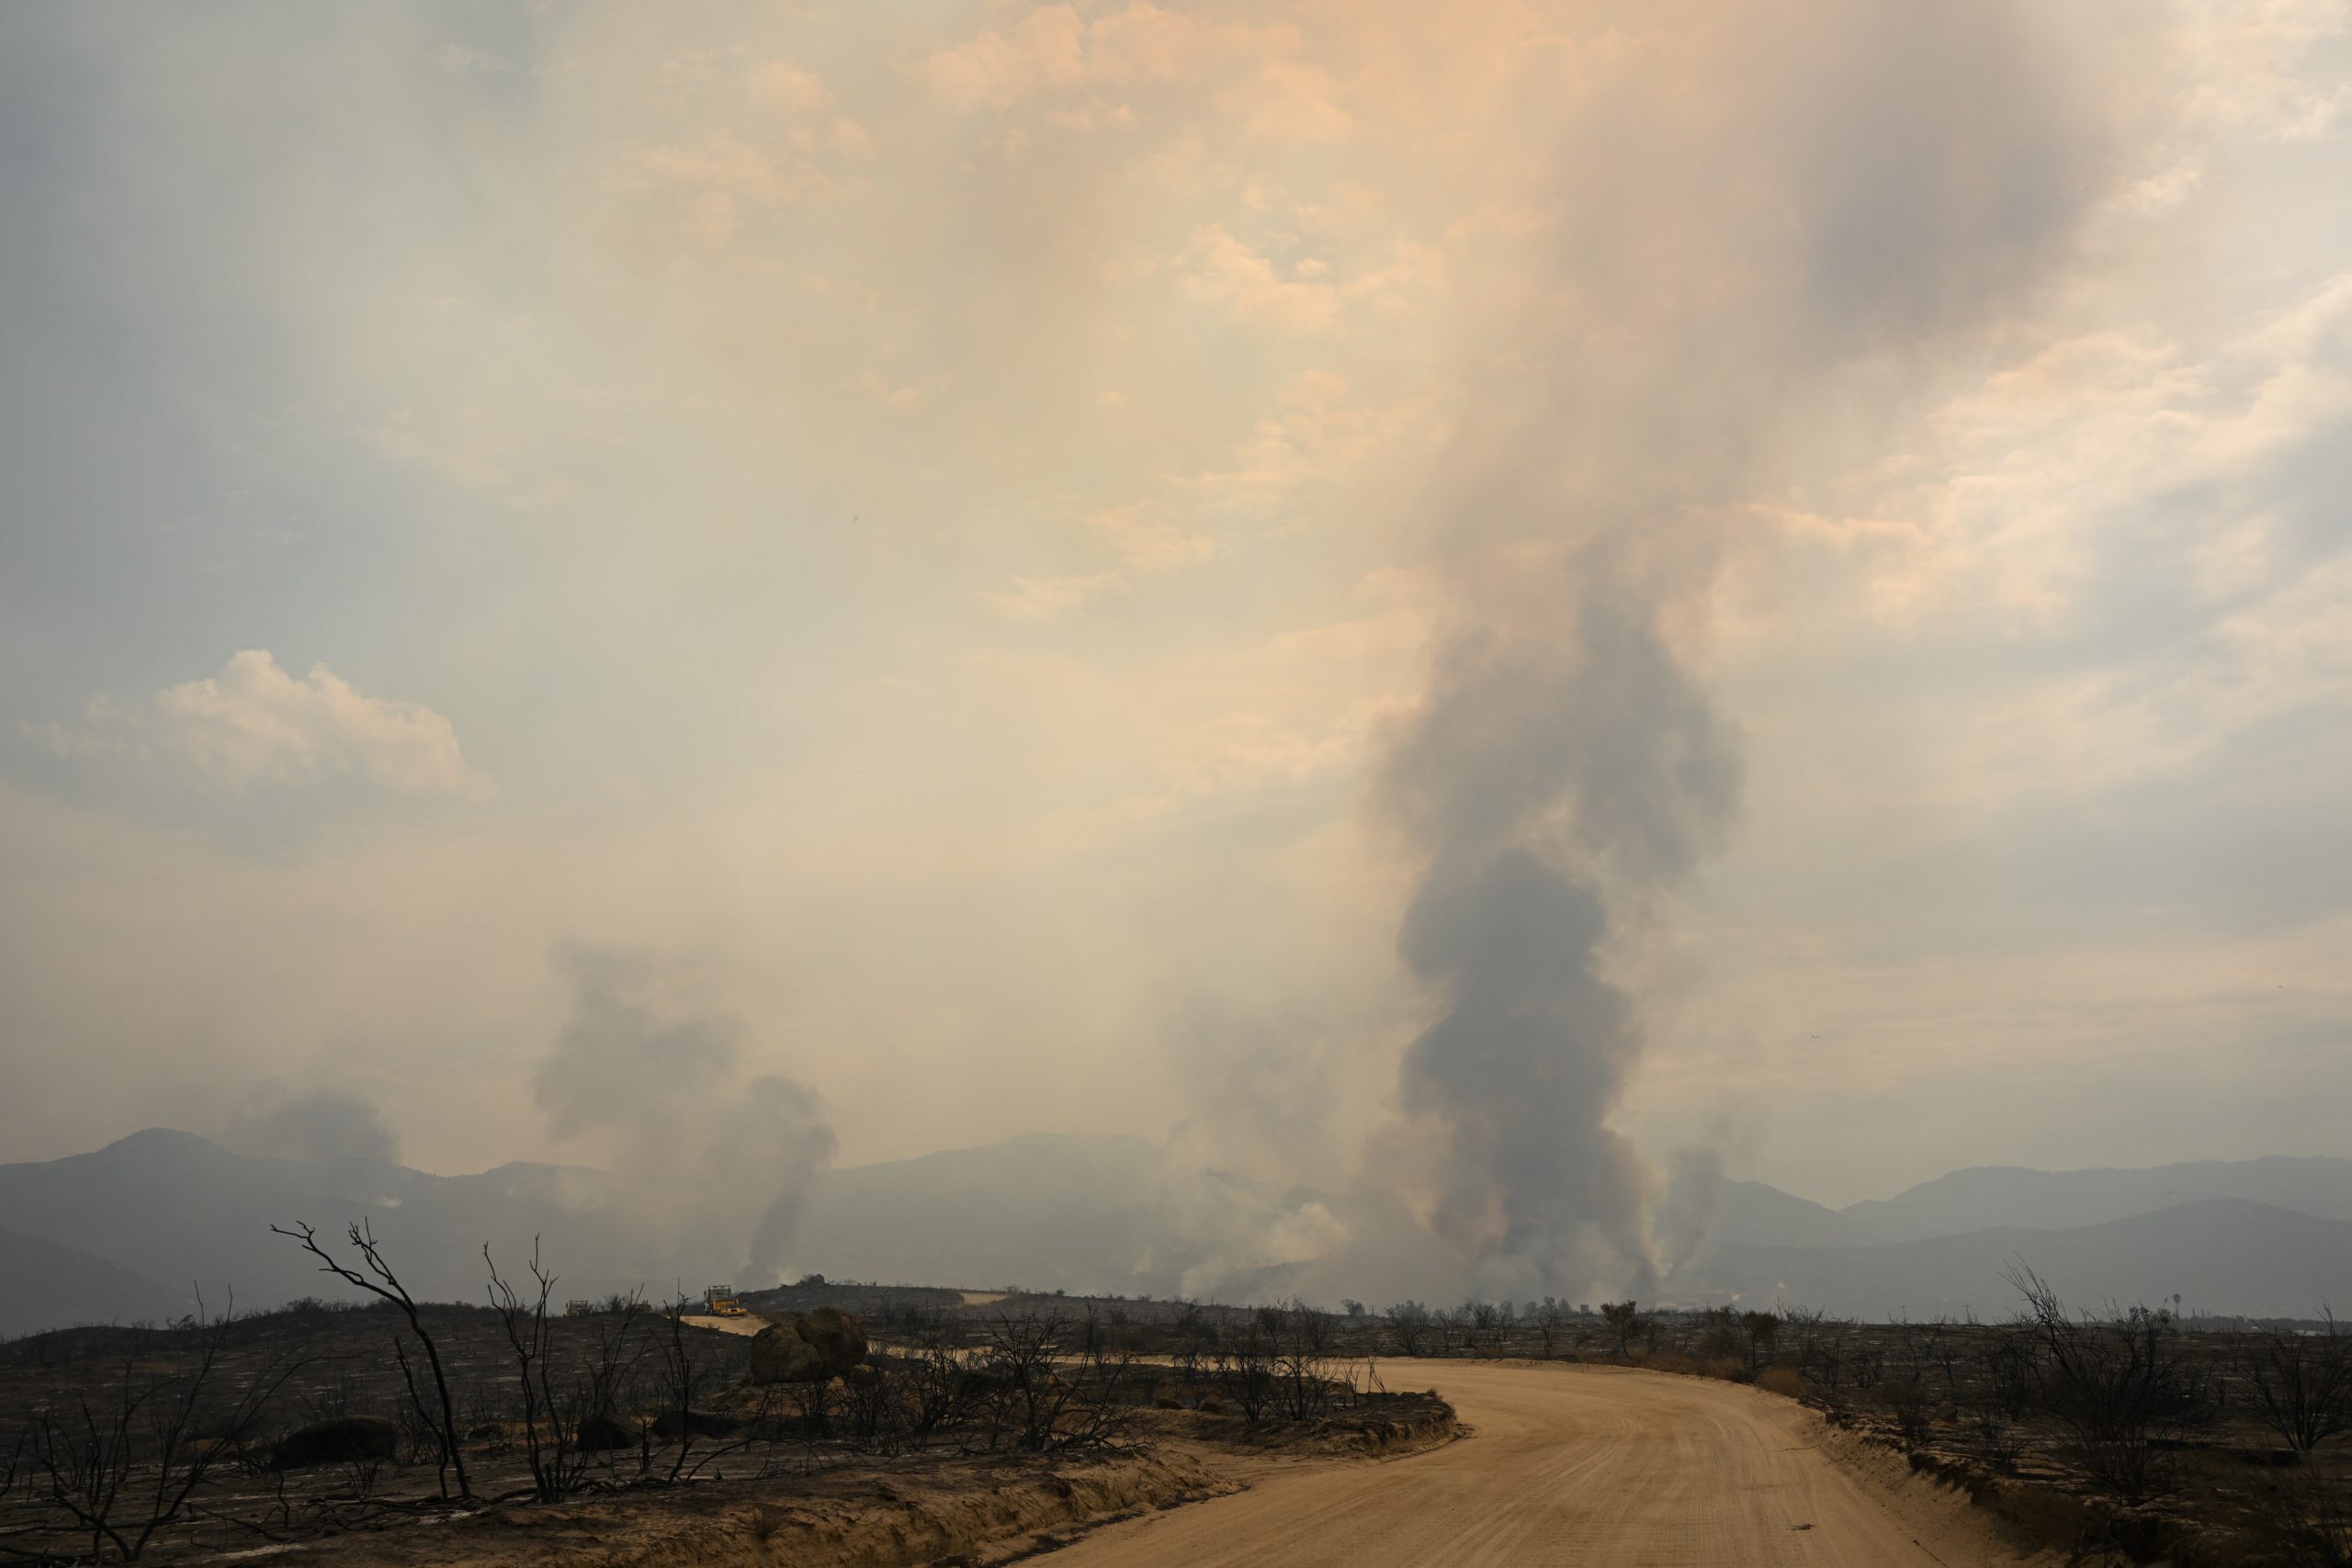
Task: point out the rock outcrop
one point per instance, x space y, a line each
816 1347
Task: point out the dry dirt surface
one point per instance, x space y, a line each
1582 1465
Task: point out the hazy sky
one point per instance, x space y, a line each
909 539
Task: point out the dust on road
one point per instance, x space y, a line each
1572 1465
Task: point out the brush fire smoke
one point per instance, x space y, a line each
714 1166
1769 222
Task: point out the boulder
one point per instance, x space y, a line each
836 1335
778 1355
597 1434
813 1348
340 1441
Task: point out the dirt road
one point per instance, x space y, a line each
1592 1466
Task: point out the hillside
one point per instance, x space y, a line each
1985 1196
169 1205
127 1231
1750 1213
1049 1211
44 1283
2221 1254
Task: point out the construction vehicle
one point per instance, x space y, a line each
579 1309
720 1302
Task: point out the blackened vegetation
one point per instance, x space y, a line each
131 1443
213 1434
2124 1385
112 1458
2131 1432
1044 1375
370 1274
571 1414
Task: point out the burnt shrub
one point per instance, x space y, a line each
341 1439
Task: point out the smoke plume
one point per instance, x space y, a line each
1556 772
1685 1212
713 1167
323 1125
1770 221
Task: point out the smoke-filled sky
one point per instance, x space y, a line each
1457 598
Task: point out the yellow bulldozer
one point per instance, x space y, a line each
720 1300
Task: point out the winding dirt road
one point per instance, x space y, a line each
1593 1466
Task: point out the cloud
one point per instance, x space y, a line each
1311 436
1043 598
254 723
1148 543
1054 50
1046 49
783 85
1219 269
850 139
2251 64
1143 539
1215 267
898 399
2136 522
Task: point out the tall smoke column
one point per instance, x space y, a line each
1767 225
1556 769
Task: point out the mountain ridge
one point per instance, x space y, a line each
1097 1213
2226 1257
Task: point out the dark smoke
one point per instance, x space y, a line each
1551 769
714 1168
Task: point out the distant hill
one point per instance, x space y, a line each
168 1205
1940 1246
1985 1196
1750 1213
44 1283
124 1232
1050 1211
2225 1255
1754 1214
